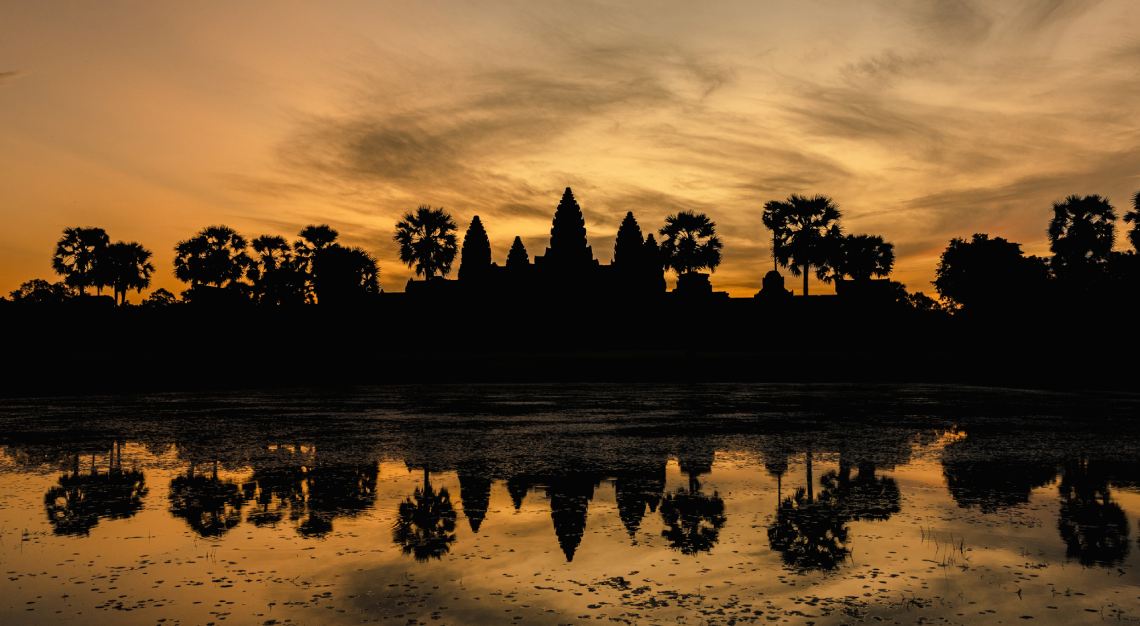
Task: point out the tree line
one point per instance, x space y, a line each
981 273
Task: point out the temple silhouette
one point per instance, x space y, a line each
567 268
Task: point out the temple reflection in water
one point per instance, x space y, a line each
308 477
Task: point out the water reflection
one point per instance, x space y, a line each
1094 528
210 505
829 493
267 485
82 496
425 524
693 519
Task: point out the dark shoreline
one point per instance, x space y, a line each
65 351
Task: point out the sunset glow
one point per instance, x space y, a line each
923 120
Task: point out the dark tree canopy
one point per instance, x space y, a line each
692 519
805 234
278 275
568 247
629 246
427 241
160 298
689 243
127 266
517 258
985 273
40 291
475 258
1081 234
215 256
863 256
77 257
344 275
1133 217
313 237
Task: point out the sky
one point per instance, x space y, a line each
923 120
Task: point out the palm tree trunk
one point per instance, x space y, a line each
805 278
810 488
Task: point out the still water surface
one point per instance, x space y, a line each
712 504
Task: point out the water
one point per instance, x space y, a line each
571 504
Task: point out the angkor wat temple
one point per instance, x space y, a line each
566 267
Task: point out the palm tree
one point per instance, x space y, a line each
804 232
864 256
1133 217
1081 233
77 256
215 256
427 241
690 243
425 523
276 273
127 267
313 238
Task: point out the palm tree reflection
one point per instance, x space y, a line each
1093 527
210 505
425 523
692 518
76 504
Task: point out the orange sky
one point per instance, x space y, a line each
924 120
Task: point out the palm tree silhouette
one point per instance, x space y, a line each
1081 234
276 274
805 233
128 267
215 256
425 523
77 257
689 243
1133 217
427 241
313 239
864 256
